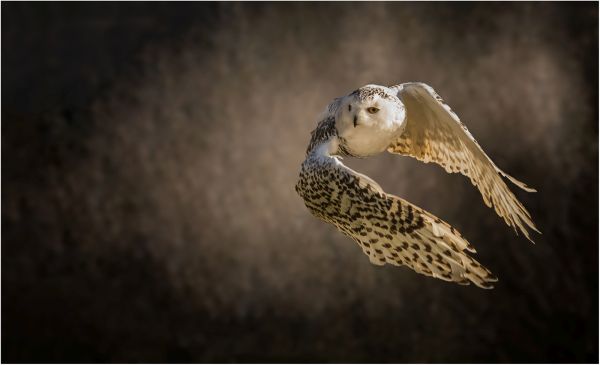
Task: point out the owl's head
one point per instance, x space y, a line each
369 119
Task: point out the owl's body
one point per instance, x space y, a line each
390 230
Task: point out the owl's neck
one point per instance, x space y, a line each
329 154
327 148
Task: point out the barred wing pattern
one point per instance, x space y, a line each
388 229
434 133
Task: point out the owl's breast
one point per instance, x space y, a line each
365 141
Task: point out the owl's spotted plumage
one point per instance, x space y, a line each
408 119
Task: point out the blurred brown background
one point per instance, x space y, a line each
150 152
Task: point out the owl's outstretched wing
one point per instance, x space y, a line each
435 134
387 228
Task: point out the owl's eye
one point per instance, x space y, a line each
372 110
349 108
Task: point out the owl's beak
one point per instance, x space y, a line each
355 122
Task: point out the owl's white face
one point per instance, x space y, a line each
369 119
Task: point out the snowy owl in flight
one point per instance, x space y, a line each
408 119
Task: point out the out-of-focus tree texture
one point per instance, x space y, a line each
150 153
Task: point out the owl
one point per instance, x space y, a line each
408 119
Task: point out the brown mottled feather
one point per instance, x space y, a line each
388 229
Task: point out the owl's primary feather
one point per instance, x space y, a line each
408 119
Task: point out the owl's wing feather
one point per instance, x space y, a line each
435 134
326 127
386 227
